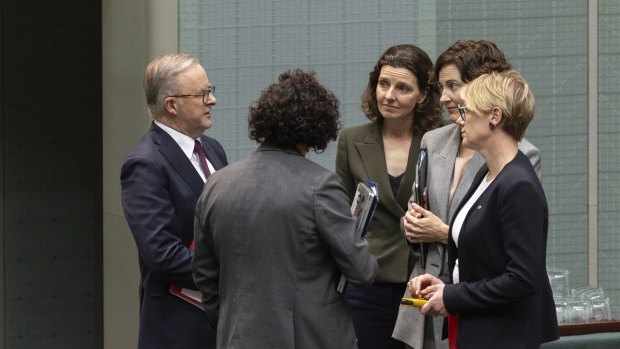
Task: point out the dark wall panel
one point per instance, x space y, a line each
52 175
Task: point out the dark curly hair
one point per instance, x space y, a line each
472 59
295 110
427 115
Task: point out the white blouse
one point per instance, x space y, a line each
460 218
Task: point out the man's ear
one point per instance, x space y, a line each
170 105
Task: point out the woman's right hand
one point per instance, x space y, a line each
417 286
432 287
422 226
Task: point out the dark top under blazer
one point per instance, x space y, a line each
160 187
504 299
361 157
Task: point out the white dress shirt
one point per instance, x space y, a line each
186 143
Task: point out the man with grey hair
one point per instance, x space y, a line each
161 179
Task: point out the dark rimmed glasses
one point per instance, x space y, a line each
462 111
205 94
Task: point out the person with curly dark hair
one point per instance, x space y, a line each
274 231
296 111
401 106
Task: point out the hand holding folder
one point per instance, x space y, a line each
363 208
364 204
194 297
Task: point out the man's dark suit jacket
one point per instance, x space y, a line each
504 299
160 188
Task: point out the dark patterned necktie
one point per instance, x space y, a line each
202 157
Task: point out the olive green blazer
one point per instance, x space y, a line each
361 157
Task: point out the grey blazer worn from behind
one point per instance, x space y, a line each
442 145
273 233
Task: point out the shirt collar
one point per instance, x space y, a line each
185 142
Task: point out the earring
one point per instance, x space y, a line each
491 125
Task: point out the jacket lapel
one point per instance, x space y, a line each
374 163
475 164
443 162
211 154
372 155
175 156
445 159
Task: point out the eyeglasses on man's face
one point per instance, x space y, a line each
462 111
205 94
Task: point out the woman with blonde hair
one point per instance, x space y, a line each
497 293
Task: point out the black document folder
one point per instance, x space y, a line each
420 187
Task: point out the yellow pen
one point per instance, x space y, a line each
413 302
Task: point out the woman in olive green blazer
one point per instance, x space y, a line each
402 107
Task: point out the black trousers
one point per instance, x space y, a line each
374 310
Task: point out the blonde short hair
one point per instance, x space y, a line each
160 79
507 91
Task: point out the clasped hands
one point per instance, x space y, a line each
422 226
428 284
